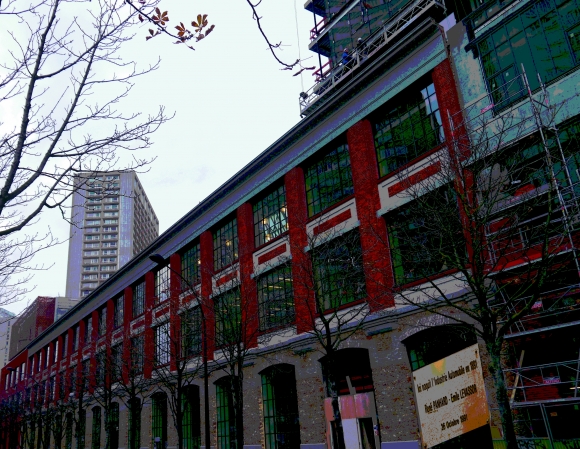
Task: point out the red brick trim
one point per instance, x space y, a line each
226 278
332 222
266 257
415 178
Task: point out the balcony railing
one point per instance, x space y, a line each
375 43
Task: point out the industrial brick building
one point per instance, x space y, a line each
315 227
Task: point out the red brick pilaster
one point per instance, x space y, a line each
373 229
447 97
80 345
303 285
249 299
206 256
93 349
175 318
127 317
149 337
457 140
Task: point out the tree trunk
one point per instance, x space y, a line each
238 395
503 402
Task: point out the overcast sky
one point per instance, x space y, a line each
231 101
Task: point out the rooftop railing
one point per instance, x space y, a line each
375 43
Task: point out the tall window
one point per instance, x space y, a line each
225 244
228 317
281 423
96 434
137 354
134 423
191 418
190 267
118 311
226 425
113 426
139 299
162 284
328 180
102 321
64 345
162 344
100 370
191 332
544 38
275 298
75 336
88 329
116 362
419 247
270 216
86 372
159 419
72 380
338 271
407 127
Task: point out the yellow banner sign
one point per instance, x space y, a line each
451 396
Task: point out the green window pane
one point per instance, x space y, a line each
280 408
275 298
407 128
338 271
328 180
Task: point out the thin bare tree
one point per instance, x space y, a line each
488 237
67 86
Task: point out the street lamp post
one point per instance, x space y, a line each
159 260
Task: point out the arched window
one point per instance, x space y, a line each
281 423
350 369
96 433
226 422
159 420
191 419
435 343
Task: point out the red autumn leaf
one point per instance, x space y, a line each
209 30
141 18
148 37
151 32
298 72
